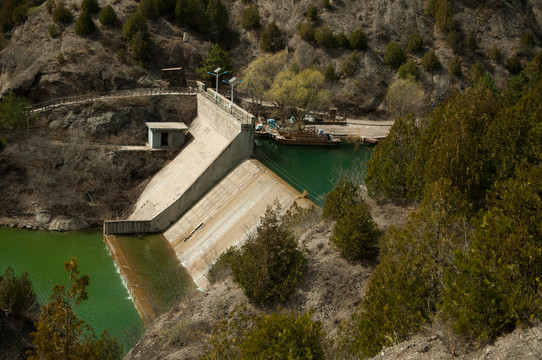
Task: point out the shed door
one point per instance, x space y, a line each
164 141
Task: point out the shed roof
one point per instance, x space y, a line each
170 126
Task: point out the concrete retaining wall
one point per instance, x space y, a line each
241 147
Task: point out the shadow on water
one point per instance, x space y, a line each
314 169
158 269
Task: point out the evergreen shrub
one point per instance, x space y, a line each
271 264
394 55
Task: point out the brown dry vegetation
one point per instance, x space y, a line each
69 162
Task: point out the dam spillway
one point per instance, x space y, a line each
209 197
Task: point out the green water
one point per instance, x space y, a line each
314 169
42 254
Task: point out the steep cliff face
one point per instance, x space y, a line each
40 67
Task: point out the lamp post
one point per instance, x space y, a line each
232 83
216 72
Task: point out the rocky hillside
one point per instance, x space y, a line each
40 67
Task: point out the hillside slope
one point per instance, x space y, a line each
40 67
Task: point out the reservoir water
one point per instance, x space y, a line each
314 169
42 254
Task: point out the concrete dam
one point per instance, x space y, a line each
210 197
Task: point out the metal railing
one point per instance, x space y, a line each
117 94
235 110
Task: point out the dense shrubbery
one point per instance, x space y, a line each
281 335
17 294
271 38
270 265
216 57
409 277
201 15
108 16
394 55
513 64
14 12
250 19
477 274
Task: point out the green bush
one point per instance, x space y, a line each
496 286
355 233
495 54
470 42
13 113
431 62
50 6
17 294
216 57
527 40
342 40
454 66
19 14
513 64
358 40
108 16
329 73
454 41
284 335
62 15
415 43
271 38
409 70
403 291
389 171
306 31
84 24
141 46
312 13
148 9
270 265
324 37
53 31
444 17
394 55
90 6
338 201
477 71
250 19
222 266
350 65
134 24
326 4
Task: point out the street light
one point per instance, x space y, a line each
232 83
216 73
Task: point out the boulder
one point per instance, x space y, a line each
67 223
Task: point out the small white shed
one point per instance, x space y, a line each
166 134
